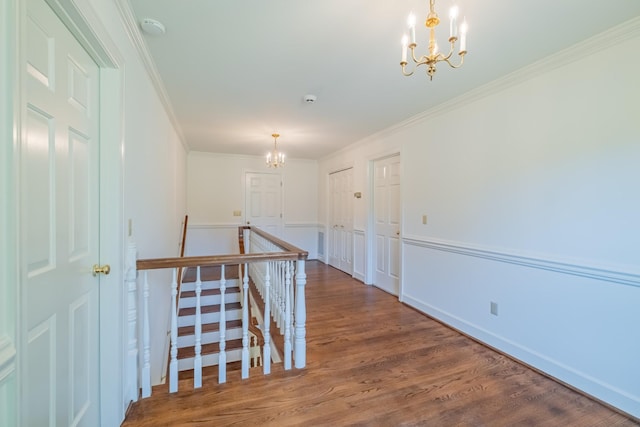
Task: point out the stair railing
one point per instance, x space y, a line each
278 271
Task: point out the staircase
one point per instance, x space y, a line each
210 300
274 298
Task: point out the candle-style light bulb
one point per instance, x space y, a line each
411 21
453 21
405 40
463 35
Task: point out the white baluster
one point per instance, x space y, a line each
292 300
222 358
266 358
132 325
146 353
245 324
287 316
278 303
197 363
300 345
173 365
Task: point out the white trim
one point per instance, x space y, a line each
215 226
587 384
301 225
599 42
250 157
624 275
8 354
131 26
84 24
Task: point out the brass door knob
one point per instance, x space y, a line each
105 269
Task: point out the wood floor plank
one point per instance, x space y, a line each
372 361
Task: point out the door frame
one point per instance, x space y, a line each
370 234
84 24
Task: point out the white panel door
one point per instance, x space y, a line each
263 204
387 223
341 220
59 237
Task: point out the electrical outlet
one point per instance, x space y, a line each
494 308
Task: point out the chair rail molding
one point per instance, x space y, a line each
617 274
215 226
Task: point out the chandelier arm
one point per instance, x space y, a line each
412 46
446 58
455 66
404 72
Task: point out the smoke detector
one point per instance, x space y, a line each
310 99
152 27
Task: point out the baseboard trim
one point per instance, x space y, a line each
581 382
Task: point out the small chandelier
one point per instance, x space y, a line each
275 159
435 55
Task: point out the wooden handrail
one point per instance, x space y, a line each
183 241
291 253
193 261
302 254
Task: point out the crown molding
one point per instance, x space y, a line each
131 26
599 42
290 160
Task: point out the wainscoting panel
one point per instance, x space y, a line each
359 255
571 321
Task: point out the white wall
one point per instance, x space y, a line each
530 190
154 176
215 188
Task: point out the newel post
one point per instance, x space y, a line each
300 332
130 280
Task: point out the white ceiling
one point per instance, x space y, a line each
237 71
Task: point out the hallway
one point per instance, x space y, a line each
373 361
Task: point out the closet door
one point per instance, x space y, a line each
341 220
387 223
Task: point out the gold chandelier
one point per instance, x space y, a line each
434 55
275 159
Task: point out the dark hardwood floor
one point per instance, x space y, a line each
372 361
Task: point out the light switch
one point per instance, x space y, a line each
237 213
424 219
